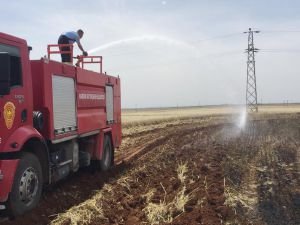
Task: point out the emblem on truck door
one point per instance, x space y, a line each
9 114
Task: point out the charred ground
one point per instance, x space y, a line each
201 170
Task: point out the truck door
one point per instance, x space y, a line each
13 104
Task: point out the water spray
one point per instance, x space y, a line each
242 121
141 39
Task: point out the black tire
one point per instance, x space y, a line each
28 178
107 156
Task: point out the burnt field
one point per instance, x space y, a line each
201 170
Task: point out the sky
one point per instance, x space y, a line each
174 53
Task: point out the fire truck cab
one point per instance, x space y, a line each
54 119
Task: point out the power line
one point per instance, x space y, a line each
218 37
220 54
185 60
280 50
280 31
190 43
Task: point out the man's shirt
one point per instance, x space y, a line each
73 37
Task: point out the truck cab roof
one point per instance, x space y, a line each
12 38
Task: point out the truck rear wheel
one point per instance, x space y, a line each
27 185
106 161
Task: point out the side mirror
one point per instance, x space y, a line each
4 73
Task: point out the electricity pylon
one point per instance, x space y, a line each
251 91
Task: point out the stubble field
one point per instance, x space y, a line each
189 166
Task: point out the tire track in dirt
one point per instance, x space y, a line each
159 139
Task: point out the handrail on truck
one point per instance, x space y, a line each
59 51
82 60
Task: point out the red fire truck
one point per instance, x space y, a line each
54 119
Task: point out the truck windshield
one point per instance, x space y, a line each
15 64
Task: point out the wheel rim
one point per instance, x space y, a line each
28 187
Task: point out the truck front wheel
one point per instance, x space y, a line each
27 186
106 161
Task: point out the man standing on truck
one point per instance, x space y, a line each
69 38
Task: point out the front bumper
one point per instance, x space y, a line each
7 174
